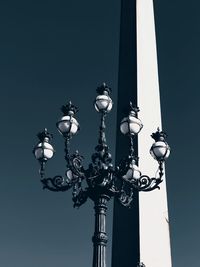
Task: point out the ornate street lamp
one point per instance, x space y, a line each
103 180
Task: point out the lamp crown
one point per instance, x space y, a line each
159 135
104 89
69 109
44 134
131 109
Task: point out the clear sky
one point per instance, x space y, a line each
55 51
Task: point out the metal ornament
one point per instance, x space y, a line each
103 181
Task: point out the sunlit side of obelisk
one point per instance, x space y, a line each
153 210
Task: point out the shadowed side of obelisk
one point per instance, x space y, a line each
125 245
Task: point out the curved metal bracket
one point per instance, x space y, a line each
75 165
145 183
56 184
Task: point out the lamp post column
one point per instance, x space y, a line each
100 238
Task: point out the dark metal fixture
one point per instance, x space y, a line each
102 179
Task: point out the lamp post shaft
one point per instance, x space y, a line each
100 238
102 136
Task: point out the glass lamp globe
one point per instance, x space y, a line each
70 175
131 125
103 103
133 172
160 150
43 150
68 125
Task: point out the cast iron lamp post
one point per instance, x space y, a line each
102 179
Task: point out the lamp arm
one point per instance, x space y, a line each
60 183
143 183
42 168
56 184
67 155
146 184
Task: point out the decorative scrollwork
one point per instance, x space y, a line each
101 237
99 177
79 198
126 198
56 184
58 181
101 158
145 183
75 164
99 170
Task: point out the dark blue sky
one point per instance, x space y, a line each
55 51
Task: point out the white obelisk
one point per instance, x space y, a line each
154 222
